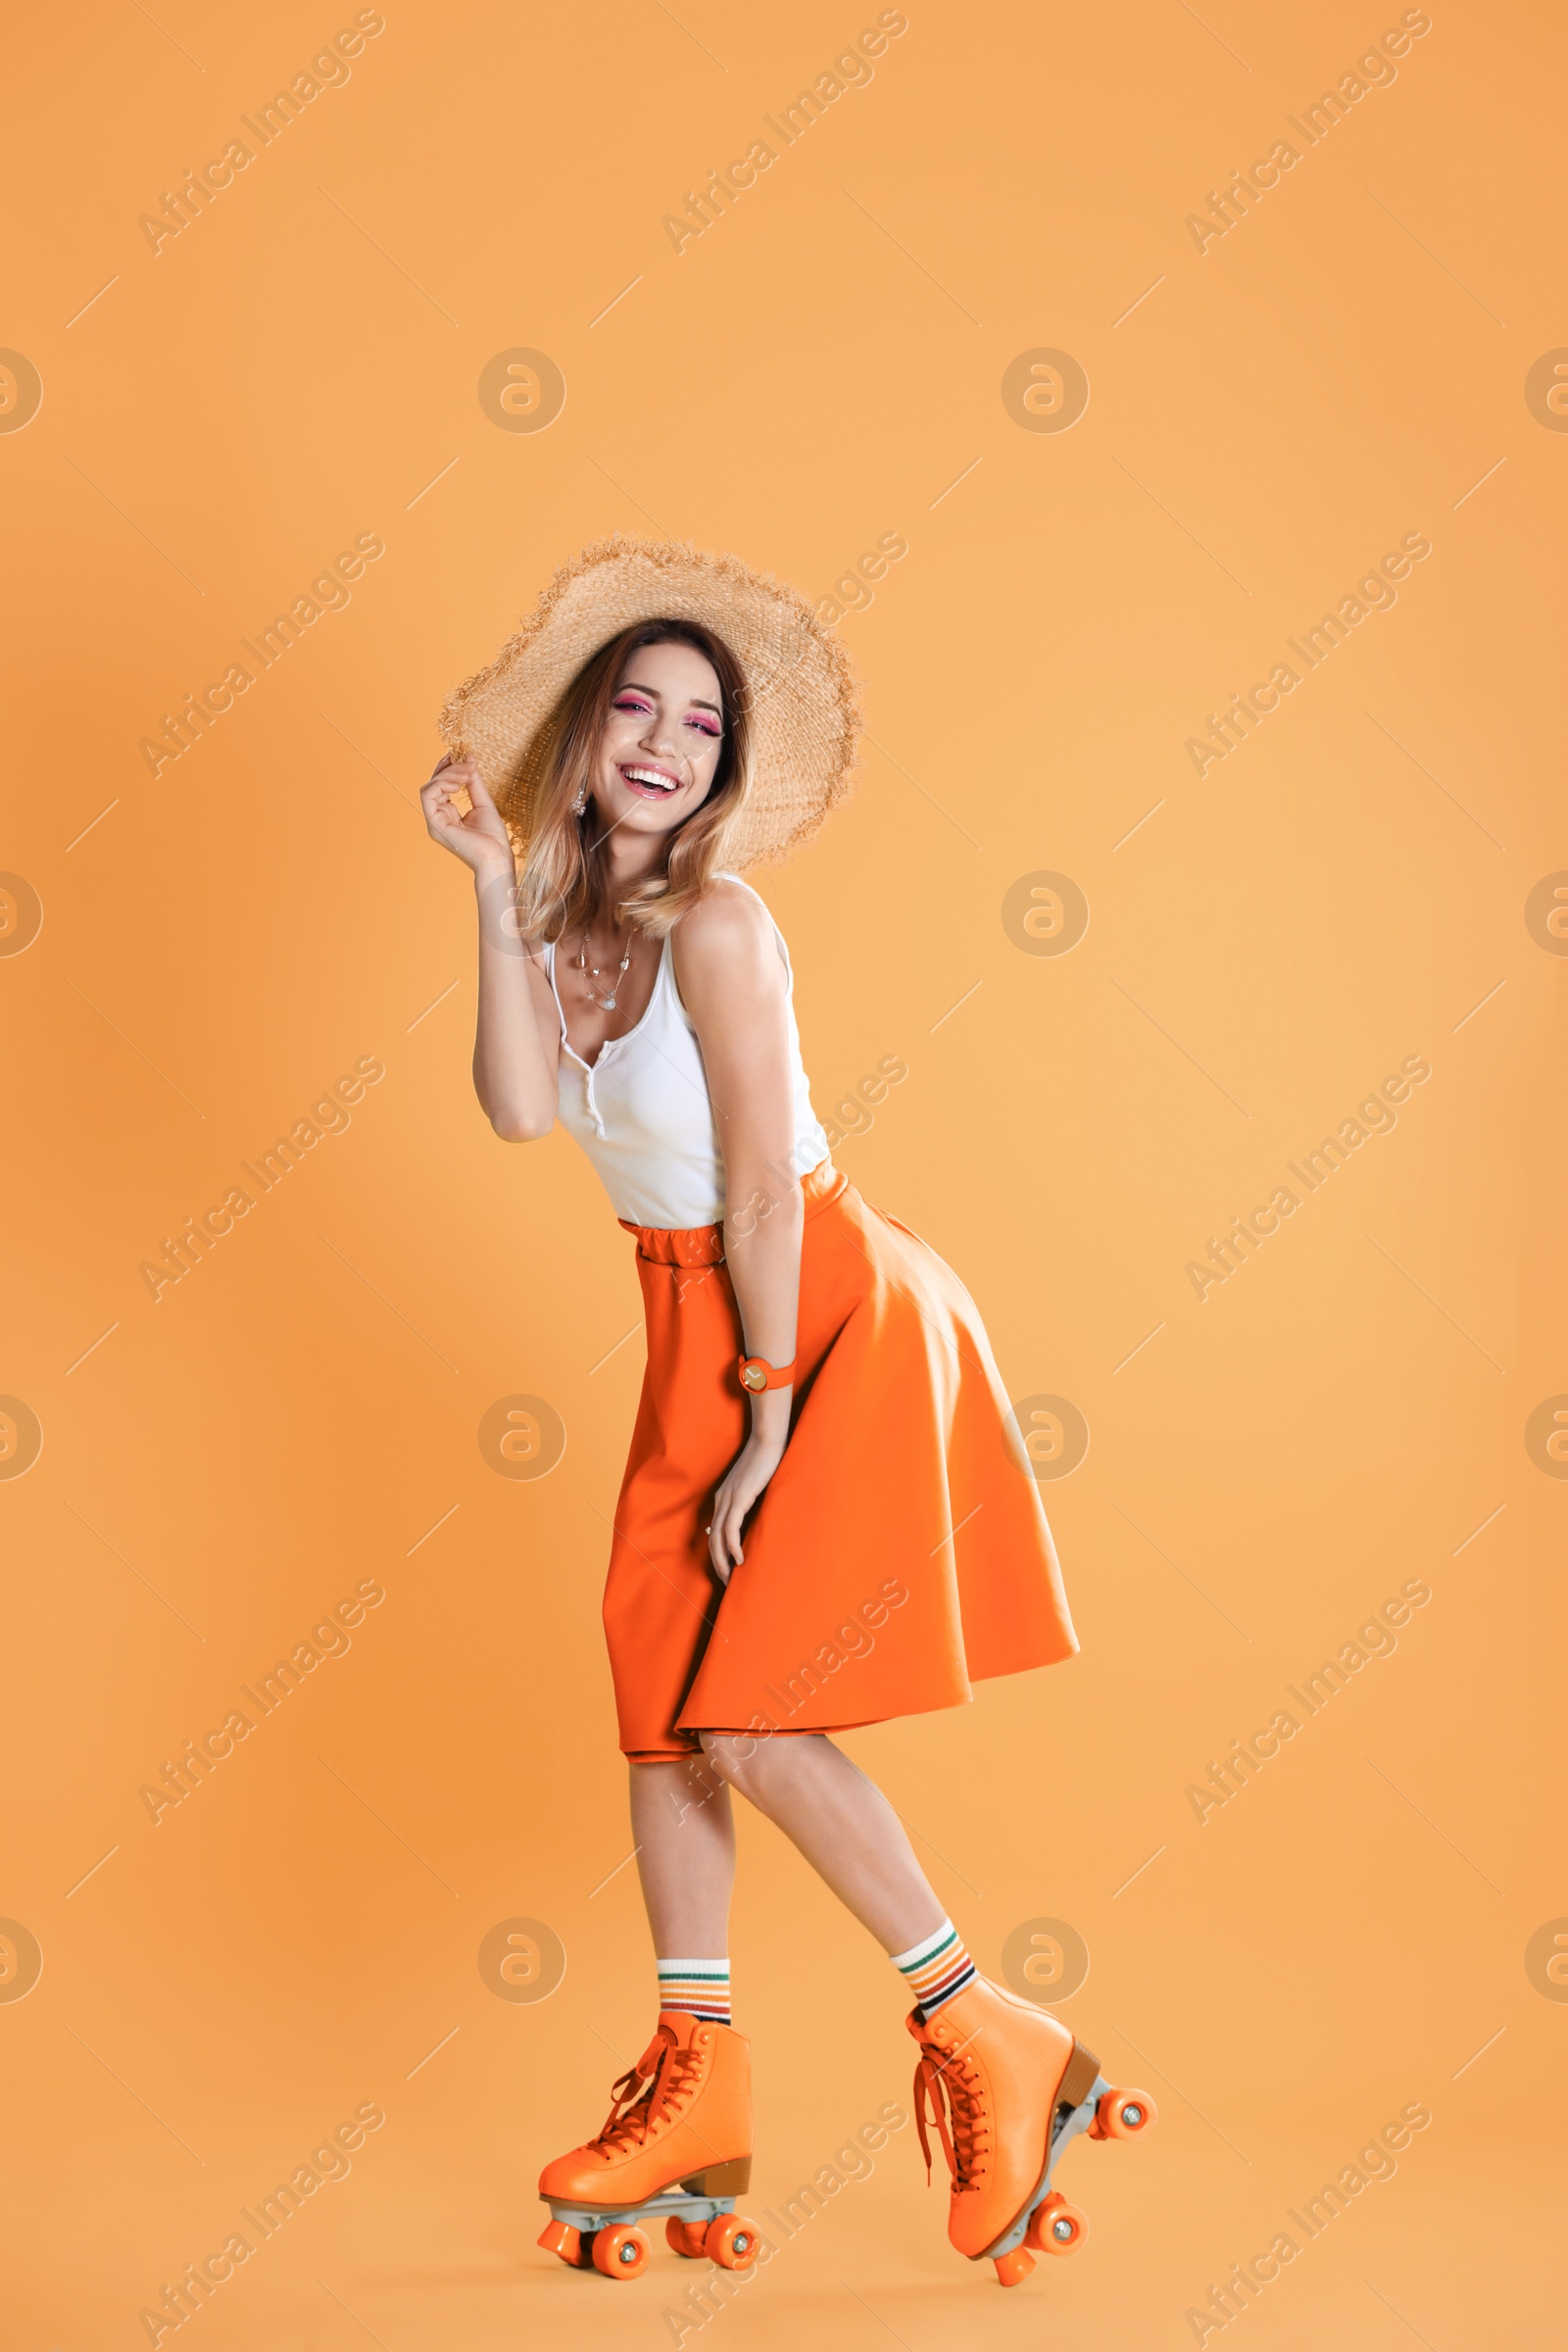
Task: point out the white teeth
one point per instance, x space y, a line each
648 775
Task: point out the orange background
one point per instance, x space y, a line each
821 368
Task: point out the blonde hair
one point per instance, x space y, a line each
564 879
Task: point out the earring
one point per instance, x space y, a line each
582 802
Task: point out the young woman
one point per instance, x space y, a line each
826 1518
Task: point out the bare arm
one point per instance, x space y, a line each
732 981
517 1046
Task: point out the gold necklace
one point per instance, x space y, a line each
605 1003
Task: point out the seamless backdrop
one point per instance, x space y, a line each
1171 407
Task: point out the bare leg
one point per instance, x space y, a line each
685 1837
842 1824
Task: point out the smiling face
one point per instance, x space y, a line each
663 739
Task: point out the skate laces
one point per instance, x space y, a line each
953 2088
643 2096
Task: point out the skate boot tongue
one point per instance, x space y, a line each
953 2088
632 2099
948 2084
664 2037
659 2085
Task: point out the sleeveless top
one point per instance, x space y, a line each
643 1113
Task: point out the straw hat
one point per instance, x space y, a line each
805 715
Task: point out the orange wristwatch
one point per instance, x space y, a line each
757 1374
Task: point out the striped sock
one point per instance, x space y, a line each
699 1987
934 1968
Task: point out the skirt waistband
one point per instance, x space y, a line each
703 1244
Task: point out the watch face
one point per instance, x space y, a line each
754 1377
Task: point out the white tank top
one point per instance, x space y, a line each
643 1113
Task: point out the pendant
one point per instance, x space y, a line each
608 1004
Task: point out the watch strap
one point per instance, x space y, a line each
757 1374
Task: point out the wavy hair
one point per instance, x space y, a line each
563 879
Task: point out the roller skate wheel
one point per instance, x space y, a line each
1057 2227
621 2251
1125 2115
732 2241
685 2238
1014 2268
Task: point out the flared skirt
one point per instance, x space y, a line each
899 1553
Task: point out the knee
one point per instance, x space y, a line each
752 1762
677 1782
737 1758
727 1755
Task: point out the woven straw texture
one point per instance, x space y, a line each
805 712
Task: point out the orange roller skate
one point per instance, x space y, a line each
1007 2088
676 2148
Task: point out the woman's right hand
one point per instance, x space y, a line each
477 836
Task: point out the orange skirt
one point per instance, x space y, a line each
899 1553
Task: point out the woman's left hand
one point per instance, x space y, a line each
738 1490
